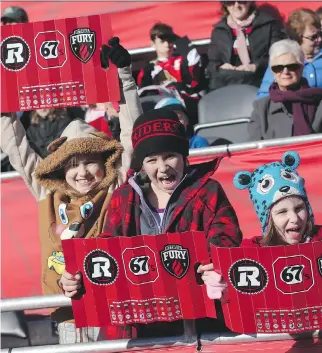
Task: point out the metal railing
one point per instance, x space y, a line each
40 302
188 339
144 50
225 149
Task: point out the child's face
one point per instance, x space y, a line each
85 172
165 170
290 219
163 48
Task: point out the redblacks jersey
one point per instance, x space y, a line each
185 73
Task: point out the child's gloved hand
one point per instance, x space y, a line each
118 55
71 284
214 282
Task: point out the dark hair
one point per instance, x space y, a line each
162 31
53 114
319 11
225 11
298 20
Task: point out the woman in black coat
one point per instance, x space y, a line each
240 42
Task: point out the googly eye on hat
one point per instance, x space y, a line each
272 182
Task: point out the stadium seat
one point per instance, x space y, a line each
225 113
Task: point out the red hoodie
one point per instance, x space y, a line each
255 242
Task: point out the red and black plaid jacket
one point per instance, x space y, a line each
202 206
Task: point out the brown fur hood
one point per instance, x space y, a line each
78 138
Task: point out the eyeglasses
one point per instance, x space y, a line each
290 67
314 37
228 3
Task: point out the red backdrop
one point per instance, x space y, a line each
20 260
132 20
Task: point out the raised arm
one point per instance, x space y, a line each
130 109
22 157
130 106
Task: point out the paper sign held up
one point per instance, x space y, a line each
54 64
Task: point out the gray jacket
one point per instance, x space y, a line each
271 120
148 221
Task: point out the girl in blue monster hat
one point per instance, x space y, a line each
282 206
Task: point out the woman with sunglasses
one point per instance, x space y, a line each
304 27
292 107
238 52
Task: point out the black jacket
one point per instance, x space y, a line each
265 32
40 136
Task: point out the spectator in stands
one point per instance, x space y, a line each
14 14
73 184
304 27
292 107
178 107
178 64
319 13
286 215
238 52
172 196
282 206
46 126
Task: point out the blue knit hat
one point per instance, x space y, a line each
272 182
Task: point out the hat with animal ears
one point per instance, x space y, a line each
272 182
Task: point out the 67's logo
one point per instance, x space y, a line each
293 274
140 265
50 49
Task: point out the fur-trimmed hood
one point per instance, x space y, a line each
78 138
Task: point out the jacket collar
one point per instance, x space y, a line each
261 19
317 56
275 107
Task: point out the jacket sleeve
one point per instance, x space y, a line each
214 54
267 80
254 126
223 229
130 109
22 157
276 35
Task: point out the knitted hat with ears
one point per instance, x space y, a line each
272 182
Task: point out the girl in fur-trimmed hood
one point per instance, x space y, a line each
74 183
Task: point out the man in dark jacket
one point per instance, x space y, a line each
239 47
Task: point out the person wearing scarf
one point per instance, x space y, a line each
292 107
238 52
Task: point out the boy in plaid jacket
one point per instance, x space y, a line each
166 195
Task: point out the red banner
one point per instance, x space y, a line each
272 289
56 64
16 227
141 279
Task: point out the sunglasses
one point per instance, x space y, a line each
314 37
228 3
290 67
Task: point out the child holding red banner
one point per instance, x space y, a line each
165 195
74 183
282 206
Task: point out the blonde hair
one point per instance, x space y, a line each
298 20
273 238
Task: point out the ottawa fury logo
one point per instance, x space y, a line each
83 43
175 259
